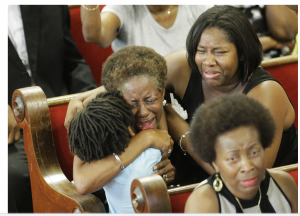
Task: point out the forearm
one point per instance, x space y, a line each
86 97
163 122
89 177
282 22
185 143
267 42
91 24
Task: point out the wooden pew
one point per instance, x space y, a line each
44 136
48 154
150 195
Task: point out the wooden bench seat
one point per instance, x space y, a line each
47 149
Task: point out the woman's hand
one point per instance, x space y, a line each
75 105
80 101
165 169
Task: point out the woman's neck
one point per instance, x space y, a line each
164 15
156 9
210 92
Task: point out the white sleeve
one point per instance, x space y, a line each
121 11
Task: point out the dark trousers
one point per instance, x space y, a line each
19 189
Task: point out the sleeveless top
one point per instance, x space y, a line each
273 199
193 98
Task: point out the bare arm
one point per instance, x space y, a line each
97 28
273 97
89 177
288 185
202 200
269 42
179 69
282 22
177 126
77 103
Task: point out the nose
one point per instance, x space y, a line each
143 110
246 164
209 60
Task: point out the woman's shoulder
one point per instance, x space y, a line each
178 68
202 200
288 185
283 179
264 86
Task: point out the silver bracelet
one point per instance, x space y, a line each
90 9
179 143
119 160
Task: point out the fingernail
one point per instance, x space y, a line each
155 168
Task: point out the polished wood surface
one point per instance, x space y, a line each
52 192
273 62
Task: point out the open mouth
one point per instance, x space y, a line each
146 125
210 75
249 182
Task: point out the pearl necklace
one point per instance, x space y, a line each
237 199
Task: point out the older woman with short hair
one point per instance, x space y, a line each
140 74
231 133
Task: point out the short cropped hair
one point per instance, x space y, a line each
132 61
101 128
239 31
226 113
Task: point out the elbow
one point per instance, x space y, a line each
81 188
90 38
95 40
285 36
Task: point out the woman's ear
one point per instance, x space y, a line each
215 167
131 131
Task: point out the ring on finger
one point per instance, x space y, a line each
169 152
165 177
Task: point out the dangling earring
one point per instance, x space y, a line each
164 102
217 184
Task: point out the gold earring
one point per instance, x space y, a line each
217 184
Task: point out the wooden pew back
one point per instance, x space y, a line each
51 190
285 70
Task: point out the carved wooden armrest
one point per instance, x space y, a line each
51 190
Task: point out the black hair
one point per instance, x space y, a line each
101 128
235 24
226 113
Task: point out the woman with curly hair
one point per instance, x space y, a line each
104 128
140 74
231 133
